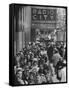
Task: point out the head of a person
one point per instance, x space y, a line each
26 70
29 63
41 66
28 56
18 64
60 65
19 73
52 43
17 57
35 63
21 53
55 51
25 60
31 75
32 55
46 68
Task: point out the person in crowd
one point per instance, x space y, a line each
35 67
65 53
53 74
61 50
61 71
32 78
19 76
41 79
50 51
41 69
39 63
56 57
17 63
26 75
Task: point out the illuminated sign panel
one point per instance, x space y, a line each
43 26
43 14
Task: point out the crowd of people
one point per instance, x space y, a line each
41 63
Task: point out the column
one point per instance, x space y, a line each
27 23
19 31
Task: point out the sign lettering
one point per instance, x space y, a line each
43 14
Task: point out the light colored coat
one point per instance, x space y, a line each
55 58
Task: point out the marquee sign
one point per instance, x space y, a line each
44 25
43 14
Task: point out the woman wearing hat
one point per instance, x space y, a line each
61 71
19 76
56 57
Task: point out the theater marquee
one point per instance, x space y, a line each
47 15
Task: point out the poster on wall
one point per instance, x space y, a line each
34 57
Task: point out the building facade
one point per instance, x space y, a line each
33 22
